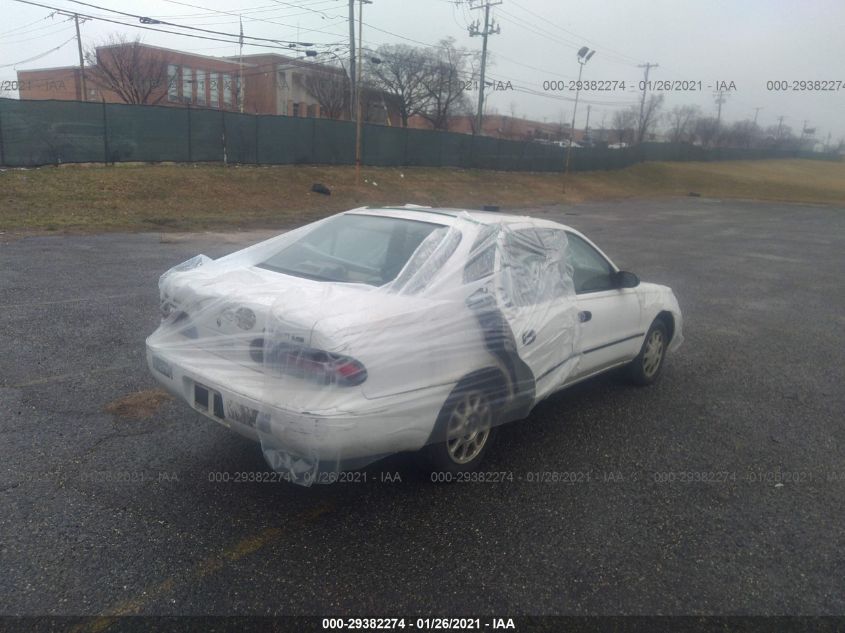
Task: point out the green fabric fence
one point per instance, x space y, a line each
36 133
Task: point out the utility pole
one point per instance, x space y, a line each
720 99
358 90
756 112
81 58
780 125
352 74
587 126
241 67
641 132
489 29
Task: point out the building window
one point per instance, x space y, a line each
214 89
187 85
227 89
202 81
295 108
172 82
312 111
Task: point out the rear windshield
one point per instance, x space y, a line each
353 248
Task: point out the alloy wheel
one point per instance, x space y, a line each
469 427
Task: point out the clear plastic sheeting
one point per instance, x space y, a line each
370 333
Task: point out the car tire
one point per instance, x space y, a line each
465 429
647 366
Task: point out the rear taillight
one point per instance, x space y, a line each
315 365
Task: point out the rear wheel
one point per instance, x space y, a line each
646 367
464 430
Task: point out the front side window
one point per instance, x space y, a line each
591 272
353 248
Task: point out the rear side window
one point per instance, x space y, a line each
353 248
482 257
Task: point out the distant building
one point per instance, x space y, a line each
507 127
272 84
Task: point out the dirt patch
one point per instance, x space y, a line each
139 405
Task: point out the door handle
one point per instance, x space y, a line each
528 337
584 316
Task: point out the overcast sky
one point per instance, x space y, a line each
747 42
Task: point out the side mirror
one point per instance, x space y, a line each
625 279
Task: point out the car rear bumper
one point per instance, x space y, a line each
234 398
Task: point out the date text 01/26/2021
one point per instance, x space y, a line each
435 624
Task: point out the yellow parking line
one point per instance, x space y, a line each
202 569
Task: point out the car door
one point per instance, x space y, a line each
611 329
539 307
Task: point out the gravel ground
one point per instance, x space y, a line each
717 491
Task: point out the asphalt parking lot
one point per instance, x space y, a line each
720 490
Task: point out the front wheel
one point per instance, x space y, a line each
646 367
463 432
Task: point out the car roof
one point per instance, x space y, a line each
451 216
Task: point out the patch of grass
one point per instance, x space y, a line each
171 197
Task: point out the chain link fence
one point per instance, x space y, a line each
34 133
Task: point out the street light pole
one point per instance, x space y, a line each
584 55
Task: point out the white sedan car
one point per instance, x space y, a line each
377 331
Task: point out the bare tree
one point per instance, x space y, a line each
400 70
650 116
707 130
625 124
741 134
330 89
135 73
782 137
682 123
443 84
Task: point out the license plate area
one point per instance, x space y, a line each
208 401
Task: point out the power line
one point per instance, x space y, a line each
151 28
267 8
18 28
32 59
604 49
63 27
175 25
253 19
538 30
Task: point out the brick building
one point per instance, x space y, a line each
272 83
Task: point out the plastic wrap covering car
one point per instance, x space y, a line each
655 299
364 335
